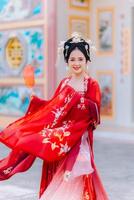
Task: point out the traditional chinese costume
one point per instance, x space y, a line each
60 132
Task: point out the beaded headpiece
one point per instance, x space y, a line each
76 38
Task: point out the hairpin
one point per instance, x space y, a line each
61 47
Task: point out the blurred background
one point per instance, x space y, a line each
30 32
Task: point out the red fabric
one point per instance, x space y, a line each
15 162
89 191
48 171
41 133
50 130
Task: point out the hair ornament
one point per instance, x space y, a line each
89 42
61 47
59 51
92 47
66 47
76 34
76 37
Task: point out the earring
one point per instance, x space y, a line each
87 69
67 68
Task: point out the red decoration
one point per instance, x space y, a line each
28 75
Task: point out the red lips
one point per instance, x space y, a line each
76 67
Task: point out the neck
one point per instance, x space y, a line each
79 76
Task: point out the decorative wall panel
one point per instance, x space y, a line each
15 10
20 47
14 99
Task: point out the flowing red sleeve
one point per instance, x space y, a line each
36 102
59 87
94 95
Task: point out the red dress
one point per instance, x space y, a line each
55 131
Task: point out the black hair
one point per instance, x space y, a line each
71 45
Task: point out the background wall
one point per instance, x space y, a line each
119 64
114 62
24 30
64 13
51 20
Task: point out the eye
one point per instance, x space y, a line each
72 59
81 59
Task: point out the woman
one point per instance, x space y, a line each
60 132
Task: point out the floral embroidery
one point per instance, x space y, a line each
64 148
81 105
68 98
61 111
85 84
58 113
66 124
64 83
54 145
8 170
56 138
86 196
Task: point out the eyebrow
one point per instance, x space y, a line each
78 57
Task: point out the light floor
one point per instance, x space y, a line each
114 155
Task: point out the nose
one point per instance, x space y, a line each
77 62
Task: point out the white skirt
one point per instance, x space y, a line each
72 188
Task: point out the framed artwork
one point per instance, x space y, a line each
106 80
105 30
80 4
14 100
14 10
79 24
21 47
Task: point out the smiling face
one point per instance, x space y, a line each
77 62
